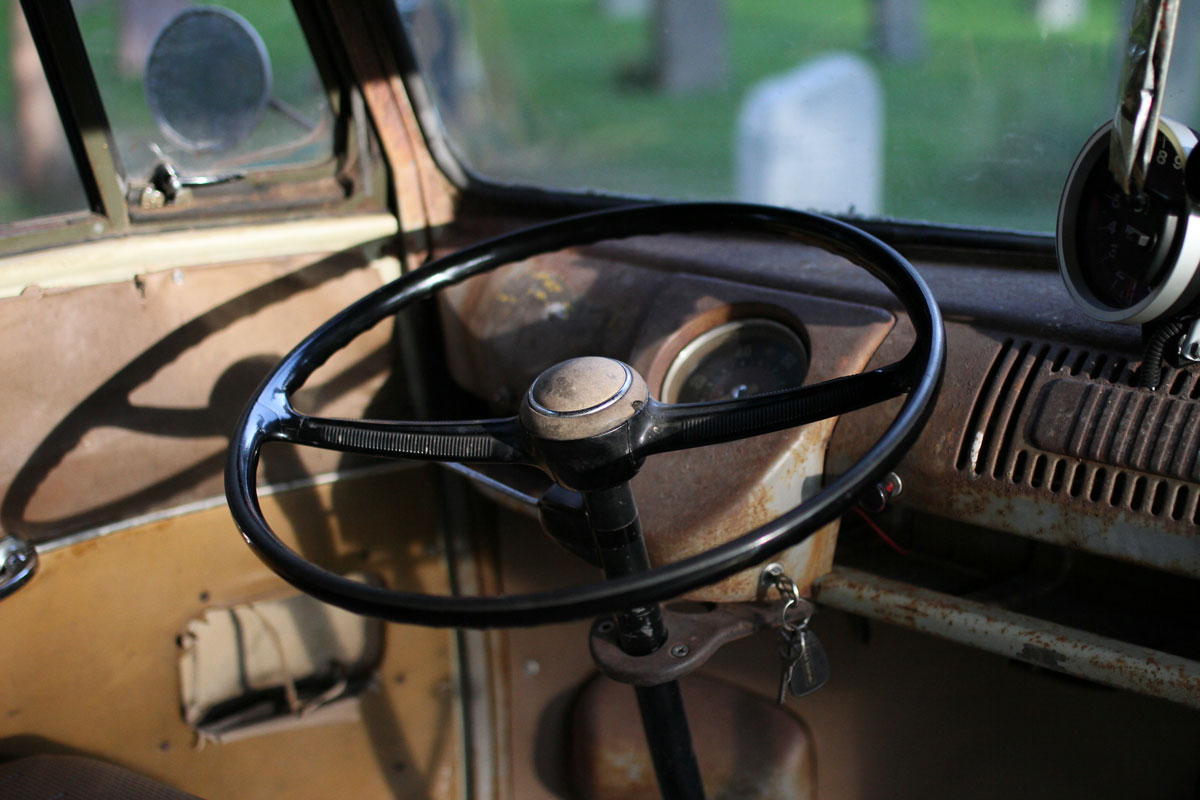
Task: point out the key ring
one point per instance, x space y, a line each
773 577
791 627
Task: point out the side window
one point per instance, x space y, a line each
38 175
223 94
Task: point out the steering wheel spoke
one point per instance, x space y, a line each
682 426
496 441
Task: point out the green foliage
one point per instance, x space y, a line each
123 94
979 131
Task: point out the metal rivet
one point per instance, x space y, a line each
680 650
532 667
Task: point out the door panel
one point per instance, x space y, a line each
91 661
121 396
117 407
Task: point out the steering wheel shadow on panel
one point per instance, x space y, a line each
590 423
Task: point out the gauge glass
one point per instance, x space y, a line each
1131 258
735 360
1126 240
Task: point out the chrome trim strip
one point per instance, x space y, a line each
18 562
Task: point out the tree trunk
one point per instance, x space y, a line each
691 49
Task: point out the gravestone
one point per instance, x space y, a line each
691 48
1055 16
812 138
1182 98
625 9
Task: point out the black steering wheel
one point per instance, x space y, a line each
608 449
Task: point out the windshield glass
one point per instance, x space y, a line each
964 112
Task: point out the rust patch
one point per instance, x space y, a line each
1014 635
977 460
1042 656
504 328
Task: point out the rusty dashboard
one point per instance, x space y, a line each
1049 502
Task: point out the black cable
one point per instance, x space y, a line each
1150 374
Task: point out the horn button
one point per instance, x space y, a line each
581 398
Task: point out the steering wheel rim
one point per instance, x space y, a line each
269 417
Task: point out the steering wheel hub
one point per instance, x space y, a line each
581 398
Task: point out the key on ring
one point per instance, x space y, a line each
805 664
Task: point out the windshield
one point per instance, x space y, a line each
964 112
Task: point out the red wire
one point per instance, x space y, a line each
904 551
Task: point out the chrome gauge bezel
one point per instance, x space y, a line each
1181 282
689 357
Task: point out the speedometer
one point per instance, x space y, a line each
741 358
1131 258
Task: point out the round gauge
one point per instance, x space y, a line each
1130 257
738 359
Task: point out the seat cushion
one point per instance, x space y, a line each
76 778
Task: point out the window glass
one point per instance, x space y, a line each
37 172
209 90
952 111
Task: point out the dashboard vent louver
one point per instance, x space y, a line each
987 447
1095 458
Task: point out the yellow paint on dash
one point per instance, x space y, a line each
548 281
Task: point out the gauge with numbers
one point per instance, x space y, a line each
738 359
1131 258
